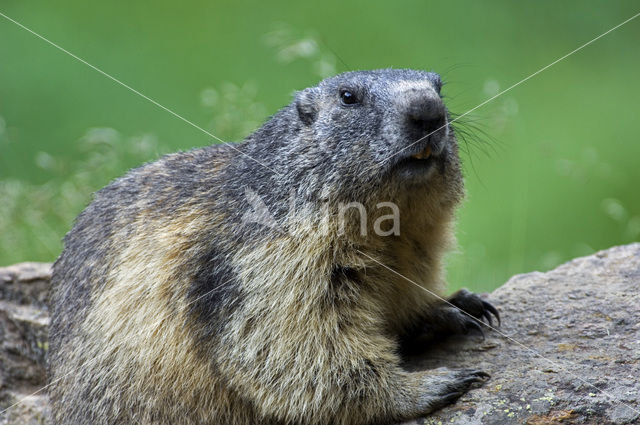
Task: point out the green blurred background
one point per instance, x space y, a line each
551 166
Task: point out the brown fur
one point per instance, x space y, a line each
293 340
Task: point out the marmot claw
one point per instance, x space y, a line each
474 305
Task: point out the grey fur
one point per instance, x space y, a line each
243 323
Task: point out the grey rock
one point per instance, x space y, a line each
567 352
24 321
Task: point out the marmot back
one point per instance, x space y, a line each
275 281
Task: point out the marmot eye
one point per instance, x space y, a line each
348 97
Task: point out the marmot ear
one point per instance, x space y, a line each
307 105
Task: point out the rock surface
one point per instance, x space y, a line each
23 342
567 352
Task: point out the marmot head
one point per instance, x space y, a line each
364 136
380 129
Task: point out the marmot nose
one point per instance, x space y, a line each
427 115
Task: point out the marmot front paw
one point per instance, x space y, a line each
460 315
474 305
444 386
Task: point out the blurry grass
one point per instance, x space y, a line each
33 218
551 167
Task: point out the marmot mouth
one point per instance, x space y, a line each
424 154
417 164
